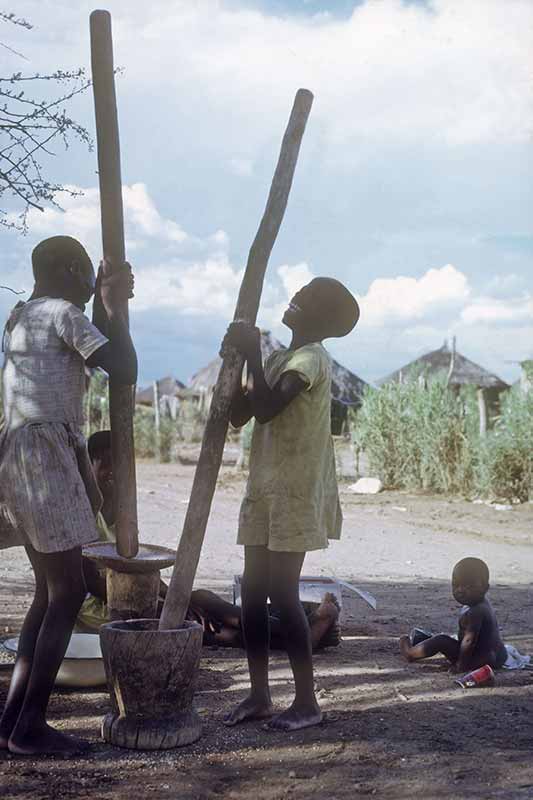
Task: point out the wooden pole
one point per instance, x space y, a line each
190 545
452 361
482 406
120 397
157 422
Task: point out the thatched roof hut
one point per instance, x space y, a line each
346 387
458 369
168 387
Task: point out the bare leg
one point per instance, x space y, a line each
214 606
323 620
441 643
285 570
66 591
255 623
27 639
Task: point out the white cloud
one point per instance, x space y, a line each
492 310
294 277
207 288
398 87
244 167
79 216
454 73
143 216
404 299
198 281
506 285
464 70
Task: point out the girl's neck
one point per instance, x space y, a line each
300 339
43 291
54 294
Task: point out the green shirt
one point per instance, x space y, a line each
292 460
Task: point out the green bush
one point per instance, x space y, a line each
168 439
97 418
144 432
505 468
416 436
96 405
145 435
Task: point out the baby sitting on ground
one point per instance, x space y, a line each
478 642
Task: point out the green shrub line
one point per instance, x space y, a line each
427 438
415 435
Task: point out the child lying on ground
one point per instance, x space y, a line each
291 503
479 640
220 620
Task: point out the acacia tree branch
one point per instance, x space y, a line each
28 124
9 289
10 17
12 50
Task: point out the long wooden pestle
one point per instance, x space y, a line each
203 488
121 400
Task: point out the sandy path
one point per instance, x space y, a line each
393 535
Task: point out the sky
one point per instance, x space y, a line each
414 183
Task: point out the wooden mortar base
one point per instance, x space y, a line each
132 596
151 676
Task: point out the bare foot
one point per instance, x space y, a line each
250 709
331 638
405 648
323 621
46 741
6 728
297 717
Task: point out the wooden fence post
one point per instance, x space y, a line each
157 422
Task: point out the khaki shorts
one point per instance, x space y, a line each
285 525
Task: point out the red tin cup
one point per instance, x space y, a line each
484 676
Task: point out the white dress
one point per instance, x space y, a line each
48 494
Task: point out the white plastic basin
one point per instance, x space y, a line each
82 666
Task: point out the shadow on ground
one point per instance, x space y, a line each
391 730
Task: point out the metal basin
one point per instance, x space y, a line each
82 666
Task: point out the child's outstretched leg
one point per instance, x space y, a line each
62 574
215 606
285 571
255 624
323 623
446 645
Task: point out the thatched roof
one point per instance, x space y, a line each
169 387
346 387
464 372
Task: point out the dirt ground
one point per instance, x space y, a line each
391 730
